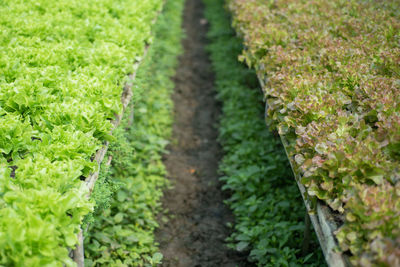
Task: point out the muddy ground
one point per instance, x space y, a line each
195 233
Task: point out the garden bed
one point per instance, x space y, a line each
324 220
78 253
63 65
330 76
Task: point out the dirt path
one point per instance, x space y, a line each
194 235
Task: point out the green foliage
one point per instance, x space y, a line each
264 198
123 233
105 186
62 66
332 84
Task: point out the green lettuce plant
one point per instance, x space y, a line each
62 68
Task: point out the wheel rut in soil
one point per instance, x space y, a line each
195 233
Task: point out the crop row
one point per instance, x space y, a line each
122 233
332 78
62 67
264 197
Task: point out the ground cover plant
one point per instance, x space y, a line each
62 68
122 233
265 200
332 81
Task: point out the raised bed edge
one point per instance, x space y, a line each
320 215
78 253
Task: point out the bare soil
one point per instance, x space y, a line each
195 233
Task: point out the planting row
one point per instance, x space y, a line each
265 200
62 68
121 231
332 76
